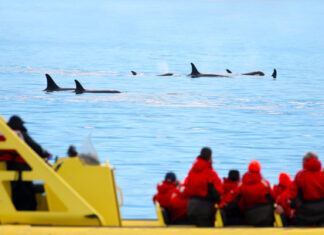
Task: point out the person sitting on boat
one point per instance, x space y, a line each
17 124
256 197
165 190
204 188
306 193
178 206
278 190
23 192
231 192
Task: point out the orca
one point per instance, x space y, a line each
195 73
162 75
52 86
79 89
257 73
165 74
274 74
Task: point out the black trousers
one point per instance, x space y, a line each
200 212
260 216
23 192
310 213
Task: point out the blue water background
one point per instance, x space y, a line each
159 124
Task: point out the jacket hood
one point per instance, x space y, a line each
254 166
165 186
251 178
312 164
284 179
200 165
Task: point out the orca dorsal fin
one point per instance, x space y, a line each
79 88
51 85
194 70
134 73
274 74
228 71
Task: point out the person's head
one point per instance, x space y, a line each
206 153
284 179
16 123
72 151
254 166
234 175
309 155
170 177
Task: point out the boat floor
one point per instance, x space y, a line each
149 227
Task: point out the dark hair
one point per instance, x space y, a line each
205 153
234 175
72 151
16 123
170 176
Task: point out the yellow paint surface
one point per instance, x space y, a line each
131 228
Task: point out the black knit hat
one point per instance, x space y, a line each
205 153
234 175
170 176
16 123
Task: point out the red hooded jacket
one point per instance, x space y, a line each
284 182
200 175
178 205
165 190
231 191
280 189
310 180
254 189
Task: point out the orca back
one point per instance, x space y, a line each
194 70
51 85
274 74
79 88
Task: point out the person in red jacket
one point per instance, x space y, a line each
256 197
178 207
204 188
306 193
165 190
231 192
278 190
284 182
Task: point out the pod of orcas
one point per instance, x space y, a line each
52 86
195 73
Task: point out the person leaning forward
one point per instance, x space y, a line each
256 197
204 188
306 193
17 124
23 192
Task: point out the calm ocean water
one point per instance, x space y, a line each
159 124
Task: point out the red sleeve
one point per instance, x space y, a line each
217 183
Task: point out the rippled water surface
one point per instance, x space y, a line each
159 124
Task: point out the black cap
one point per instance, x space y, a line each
205 153
170 176
234 175
16 123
